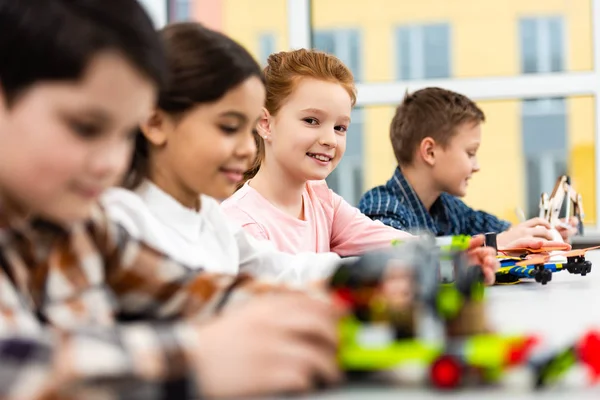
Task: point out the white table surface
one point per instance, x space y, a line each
560 311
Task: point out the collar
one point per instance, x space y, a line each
170 212
12 224
403 190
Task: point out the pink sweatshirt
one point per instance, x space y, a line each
331 223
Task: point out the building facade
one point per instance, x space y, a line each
528 141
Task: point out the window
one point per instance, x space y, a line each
347 179
344 44
544 127
266 46
544 122
423 51
180 10
542 45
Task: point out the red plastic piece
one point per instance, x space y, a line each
446 372
344 298
589 353
519 351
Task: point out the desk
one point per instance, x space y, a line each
560 311
587 240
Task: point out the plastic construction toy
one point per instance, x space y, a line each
450 247
443 329
551 206
521 263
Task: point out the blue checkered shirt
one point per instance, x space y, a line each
396 204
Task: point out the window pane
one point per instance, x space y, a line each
266 46
557 53
544 141
485 38
436 51
183 10
344 44
354 55
324 41
529 46
521 154
179 10
347 179
403 37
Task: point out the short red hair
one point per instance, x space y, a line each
283 72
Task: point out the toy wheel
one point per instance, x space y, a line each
543 275
446 373
546 276
586 268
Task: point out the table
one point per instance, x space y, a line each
561 310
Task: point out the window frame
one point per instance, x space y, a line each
562 84
418 55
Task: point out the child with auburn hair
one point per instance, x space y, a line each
435 135
301 138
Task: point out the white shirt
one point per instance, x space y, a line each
207 239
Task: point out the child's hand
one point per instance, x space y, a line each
485 257
273 344
537 228
533 243
568 228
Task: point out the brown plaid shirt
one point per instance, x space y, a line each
75 306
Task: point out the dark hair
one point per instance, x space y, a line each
431 112
54 40
203 65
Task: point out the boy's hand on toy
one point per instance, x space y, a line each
532 228
533 243
568 228
485 257
273 344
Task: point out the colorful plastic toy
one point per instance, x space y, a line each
520 263
443 329
376 337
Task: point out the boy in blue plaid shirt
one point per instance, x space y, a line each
435 135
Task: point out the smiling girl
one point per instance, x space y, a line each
301 138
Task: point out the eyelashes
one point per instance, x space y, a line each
84 129
315 122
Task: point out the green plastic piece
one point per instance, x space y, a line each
449 301
356 356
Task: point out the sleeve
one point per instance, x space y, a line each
234 214
396 220
255 230
380 206
136 362
261 258
148 284
477 222
354 233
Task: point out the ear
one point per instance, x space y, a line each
264 124
156 128
427 150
